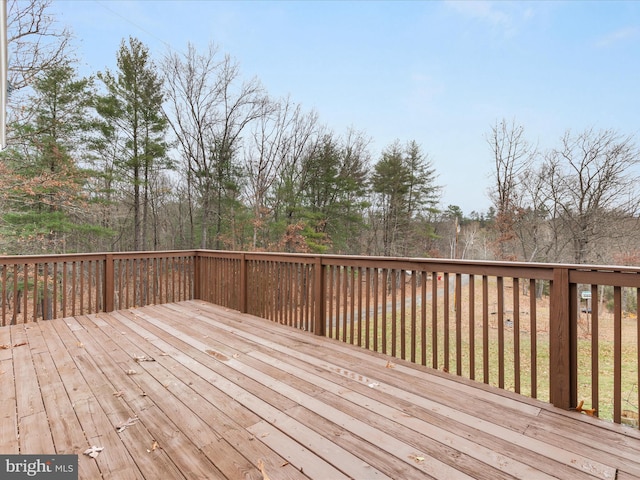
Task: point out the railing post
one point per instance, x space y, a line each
243 283
109 282
197 276
319 298
561 378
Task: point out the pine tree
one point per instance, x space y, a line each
132 111
41 178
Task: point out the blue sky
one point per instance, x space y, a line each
439 73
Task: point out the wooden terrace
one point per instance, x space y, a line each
191 390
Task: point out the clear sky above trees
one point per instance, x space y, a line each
440 73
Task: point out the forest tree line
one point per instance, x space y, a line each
182 151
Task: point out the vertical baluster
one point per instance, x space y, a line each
533 318
500 287
367 301
595 350
423 317
64 289
446 311
34 314
485 329
472 327
516 334
403 314
55 290
4 295
458 306
617 354
434 320
25 290
394 311
352 306
376 304
414 313
383 301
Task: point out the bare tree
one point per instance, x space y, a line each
209 110
275 143
34 42
512 154
594 184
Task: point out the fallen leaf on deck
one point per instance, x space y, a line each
262 470
118 394
93 451
144 394
122 426
390 365
80 344
143 358
154 446
417 458
19 344
284 464
5 347
218 355
236 355
164 354
264 435
131 372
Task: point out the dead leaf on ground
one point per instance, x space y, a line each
589 411
80 345
19 344
93 451
5 347
262 470
118 394
131 372
154 446
390 365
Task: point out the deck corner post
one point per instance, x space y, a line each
243 282
109 282
197 276
561 389
319 300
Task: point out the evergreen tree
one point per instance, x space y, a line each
404 182
334 193
42 180
134 120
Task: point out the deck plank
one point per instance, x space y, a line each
219 422
226 395
8 401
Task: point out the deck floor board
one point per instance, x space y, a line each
218 394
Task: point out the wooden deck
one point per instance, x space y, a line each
210 393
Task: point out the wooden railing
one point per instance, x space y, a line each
54 286
561 333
